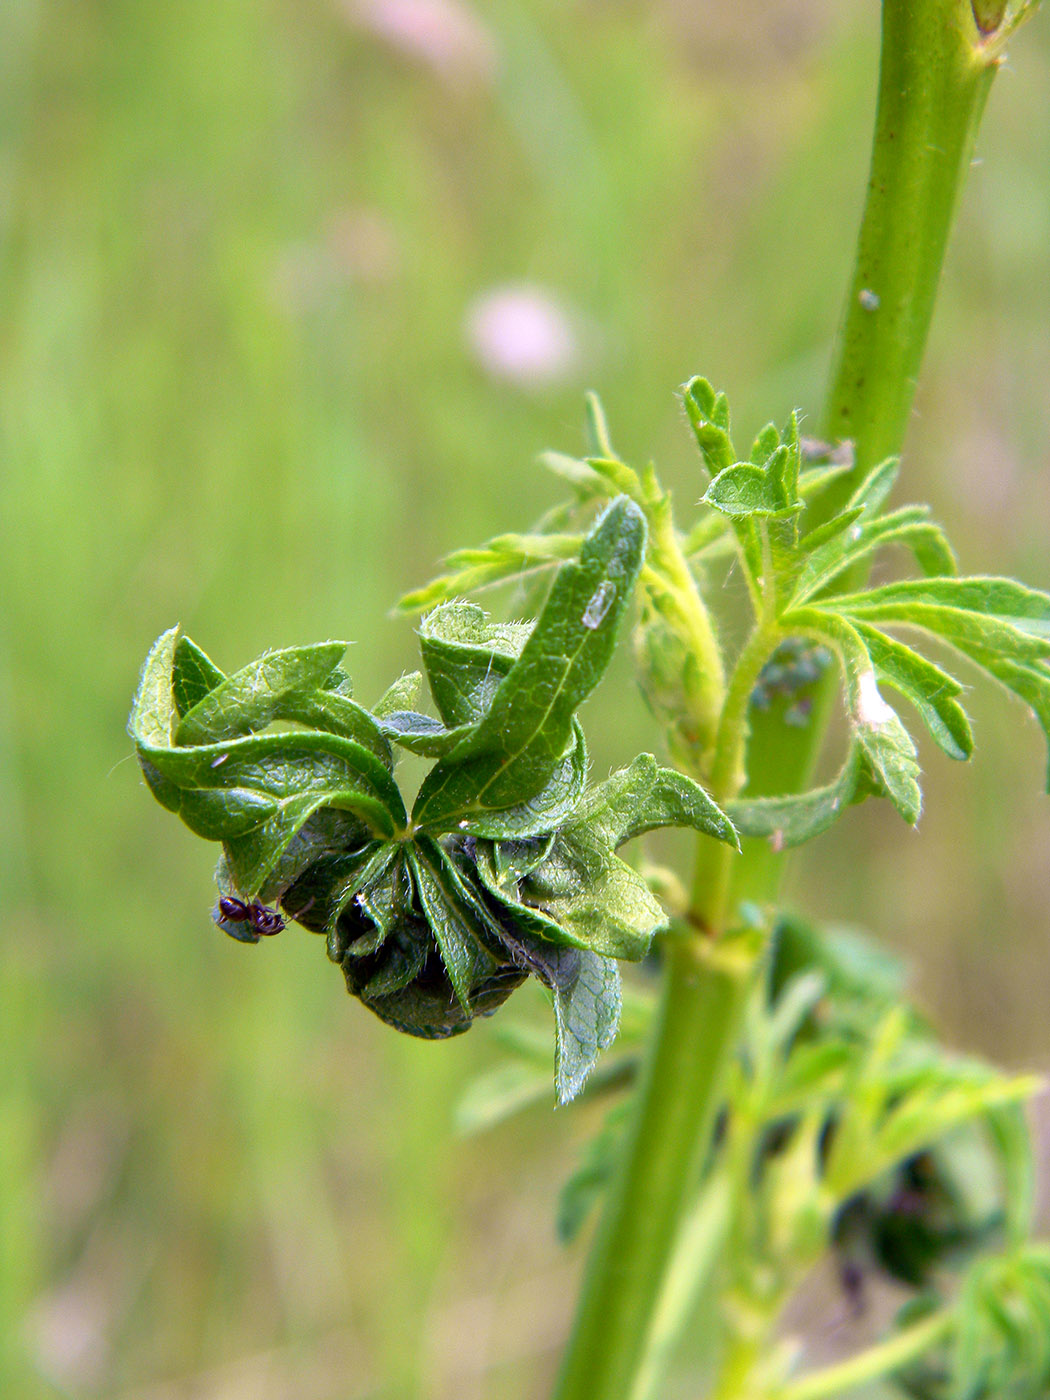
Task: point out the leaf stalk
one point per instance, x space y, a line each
874 1362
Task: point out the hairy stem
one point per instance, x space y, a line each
713 871
727 771
691 620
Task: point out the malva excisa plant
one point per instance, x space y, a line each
779 1101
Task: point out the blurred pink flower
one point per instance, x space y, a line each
446 35
522 334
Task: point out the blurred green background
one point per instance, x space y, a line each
259 369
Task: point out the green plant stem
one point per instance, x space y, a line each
713 871
701 1241
627 1306
727 770
704 994
935 74
880 1360
936 69
668 565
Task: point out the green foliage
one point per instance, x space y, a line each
795 583
795 579
585 1188
846 1127
511 752
708 415
851 1127
1000 1339
843 1125
506 866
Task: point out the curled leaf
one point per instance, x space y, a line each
526 731
254 792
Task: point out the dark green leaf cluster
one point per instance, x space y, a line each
506 864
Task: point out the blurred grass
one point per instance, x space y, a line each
237 247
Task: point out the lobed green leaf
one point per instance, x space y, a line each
253 792
580 896
587 1014
992 611
645 795
891 754
572 888
794 818
594 899
884 741
745 490
466 658
908 527
708 415
931 690
255 696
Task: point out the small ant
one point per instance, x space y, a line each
259 920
